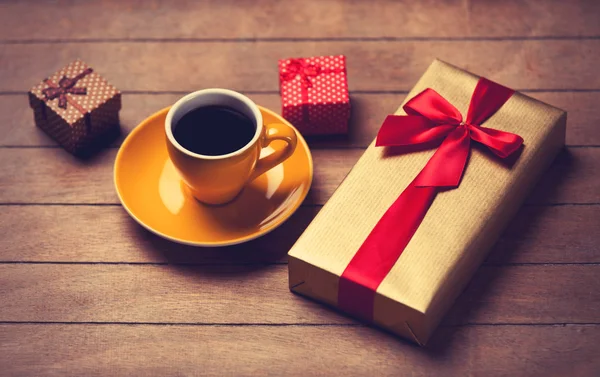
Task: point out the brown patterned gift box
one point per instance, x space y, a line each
77 107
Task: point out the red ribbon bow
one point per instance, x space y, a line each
66 85
300 68
431 118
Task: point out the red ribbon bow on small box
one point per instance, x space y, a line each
300 68
430 118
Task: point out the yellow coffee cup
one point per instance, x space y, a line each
219 179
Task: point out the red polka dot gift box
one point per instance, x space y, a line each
77 107
314 94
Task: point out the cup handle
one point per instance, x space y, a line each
275 131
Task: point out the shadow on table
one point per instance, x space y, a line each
361 131
95 149
269 249
469 308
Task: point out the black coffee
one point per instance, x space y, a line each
214 130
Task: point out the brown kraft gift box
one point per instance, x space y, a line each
459 228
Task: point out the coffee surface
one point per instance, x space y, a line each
214 130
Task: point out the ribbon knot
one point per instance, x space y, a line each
430 118
300 68
65 86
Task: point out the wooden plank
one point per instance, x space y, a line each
32 175
259 294
583 115
99 350
308 19
368 111
574 169
198 294
53 176
530 294
563 234
32 233
557 234
252 66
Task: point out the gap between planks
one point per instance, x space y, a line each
206 324
274 263
301 39
353 92
304 205
315 147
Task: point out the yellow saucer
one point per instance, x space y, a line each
153 194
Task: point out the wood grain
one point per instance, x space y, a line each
307 19
532 309
252 66
368 111
99 350
562 234
32 233
50 175
260 294
70 234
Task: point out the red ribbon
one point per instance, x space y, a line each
301 68
305 71
66 86
431 119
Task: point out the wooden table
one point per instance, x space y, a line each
85 291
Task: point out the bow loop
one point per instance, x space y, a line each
52 93
65 85
300 68
311 70
431 105
501 143
409 130
76 90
